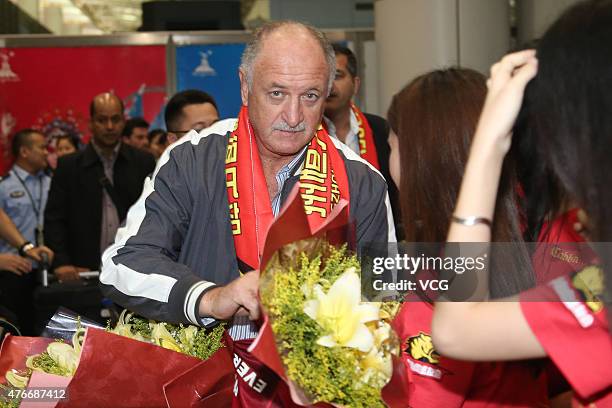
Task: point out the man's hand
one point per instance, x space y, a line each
238 297
36 253
15 263
68 272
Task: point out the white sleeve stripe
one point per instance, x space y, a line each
192 297
126 280
152 286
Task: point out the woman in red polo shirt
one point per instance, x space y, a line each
567 113
433 120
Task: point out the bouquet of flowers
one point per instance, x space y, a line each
191 340
328 346
28 355
168 365
334 347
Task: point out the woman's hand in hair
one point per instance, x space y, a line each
507 83
478 192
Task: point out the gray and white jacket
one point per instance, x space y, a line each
177 241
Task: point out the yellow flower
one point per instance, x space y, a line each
377 360
187 335
77 340
382 334
16 380
341 313
162 337
64 355
124 330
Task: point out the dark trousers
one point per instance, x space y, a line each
16 296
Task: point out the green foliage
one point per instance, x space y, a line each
5 400
141 326
49 365
191 340
206 343
325 374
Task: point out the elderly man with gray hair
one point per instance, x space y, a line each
191 246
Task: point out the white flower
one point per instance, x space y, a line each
64 355
341 313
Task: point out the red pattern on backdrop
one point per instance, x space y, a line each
63 80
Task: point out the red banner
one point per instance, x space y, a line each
51 88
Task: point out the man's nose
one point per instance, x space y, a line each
293 112
334 88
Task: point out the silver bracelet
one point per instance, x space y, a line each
471 220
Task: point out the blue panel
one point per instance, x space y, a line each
212 68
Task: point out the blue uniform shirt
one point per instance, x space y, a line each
26 210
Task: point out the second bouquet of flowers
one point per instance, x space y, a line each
148 363
334 347
318 336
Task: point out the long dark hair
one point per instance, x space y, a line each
566 122
435 117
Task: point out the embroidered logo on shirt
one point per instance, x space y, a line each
421 348
17 194
423 358
589 282
564 256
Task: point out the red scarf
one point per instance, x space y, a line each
367 148
323 181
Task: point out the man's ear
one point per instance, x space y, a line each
23 152
357 82
171 138
244 88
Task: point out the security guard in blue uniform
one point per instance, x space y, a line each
23 196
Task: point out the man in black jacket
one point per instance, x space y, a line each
364 133
191 246
92 191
